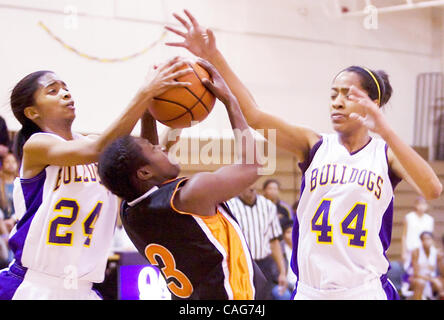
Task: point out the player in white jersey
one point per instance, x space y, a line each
343 223
66 217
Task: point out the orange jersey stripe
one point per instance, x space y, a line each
238 269
235 251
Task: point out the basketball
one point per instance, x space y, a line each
186 106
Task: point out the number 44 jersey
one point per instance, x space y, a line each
66 220
344 218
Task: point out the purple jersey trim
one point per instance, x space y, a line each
365 145
10 280
385 234
389 289
32 192
304 165
295 239
394 179
295 235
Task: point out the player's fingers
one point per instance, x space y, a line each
209 85
192 18
176 31
177 84
354 98
357 95
204 63
182 21
366 102
211 36
176 44
208 66
179 73
357 117
357 92
168 63
173 67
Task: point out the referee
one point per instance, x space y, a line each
258 219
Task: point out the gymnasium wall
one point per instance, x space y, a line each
286 52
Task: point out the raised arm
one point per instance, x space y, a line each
42 150
403 160
202 42
205 190
149 132
149 128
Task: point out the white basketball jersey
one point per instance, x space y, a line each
66 222
428 264
344 218
417 224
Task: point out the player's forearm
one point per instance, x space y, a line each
243 137
125 123
149 128
415 166
243 95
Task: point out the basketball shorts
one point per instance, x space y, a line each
19 283
376 289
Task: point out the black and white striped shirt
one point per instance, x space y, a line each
259 223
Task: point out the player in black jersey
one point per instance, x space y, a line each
182 225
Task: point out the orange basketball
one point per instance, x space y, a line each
179 107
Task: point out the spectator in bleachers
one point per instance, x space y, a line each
415 222
294 206
8 173
287 245
4 252
423 276
5 142
440 270
271 189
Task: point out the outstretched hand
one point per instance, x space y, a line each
372 117
217 86
198 40
161 78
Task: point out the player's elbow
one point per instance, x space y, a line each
434 191
256 120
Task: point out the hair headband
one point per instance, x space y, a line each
376 81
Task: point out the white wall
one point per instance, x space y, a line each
286 51
441 36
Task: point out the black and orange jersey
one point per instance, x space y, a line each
201 257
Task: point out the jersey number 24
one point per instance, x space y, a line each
55 237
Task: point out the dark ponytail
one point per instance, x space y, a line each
369 84
22 96
388 90
22 136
